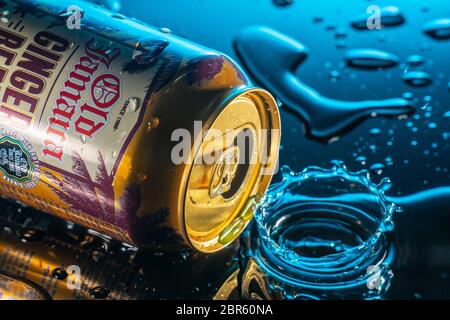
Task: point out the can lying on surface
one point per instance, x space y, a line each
138 134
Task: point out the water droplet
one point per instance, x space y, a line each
375 132
388 225
432 125
59 273
283 3
118 16
414 143
326 118
427 99
385 184
99 292
377 168
390 17
165 30
438 28
83 138
146 52
415 60
408 95
113 5
370 59
447 115
417 78
340 33
318 19
153 123
389 161
143 176
133 104
31 235
334 75
340 44
361 160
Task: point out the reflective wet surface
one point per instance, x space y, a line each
375 98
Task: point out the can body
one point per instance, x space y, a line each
88 115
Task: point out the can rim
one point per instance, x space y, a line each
269 117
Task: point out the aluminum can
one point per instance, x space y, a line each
127 130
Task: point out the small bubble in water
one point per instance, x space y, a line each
414 143
59 273
99 292
432 125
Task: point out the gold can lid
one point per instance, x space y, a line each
232 168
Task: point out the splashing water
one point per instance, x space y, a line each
272 59
321 234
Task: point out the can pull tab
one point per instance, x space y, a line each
224 172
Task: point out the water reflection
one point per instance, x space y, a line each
69 262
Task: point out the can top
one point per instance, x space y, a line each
234 164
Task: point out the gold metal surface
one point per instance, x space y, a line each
226 175
16 289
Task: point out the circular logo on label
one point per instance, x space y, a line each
106 90
18 161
